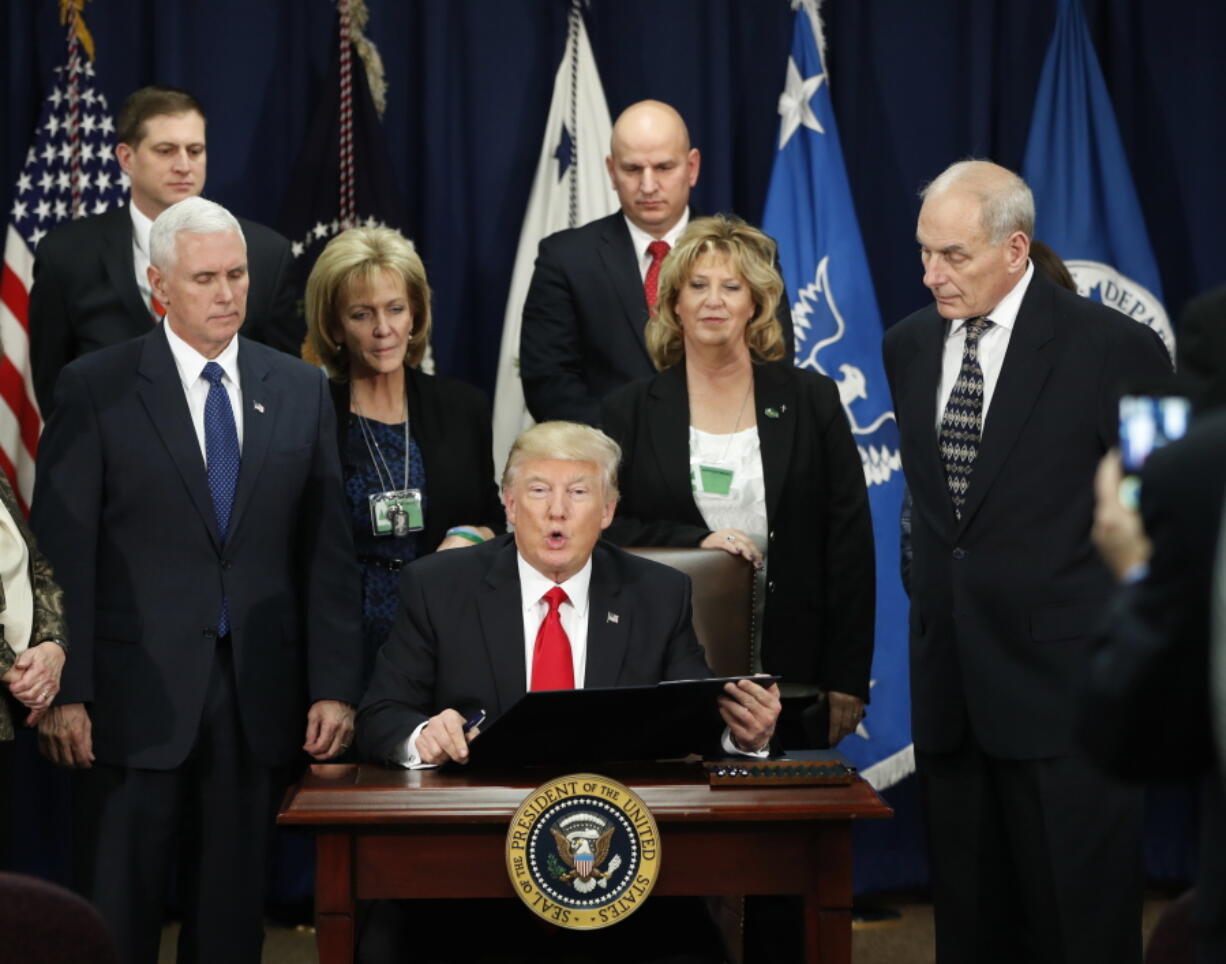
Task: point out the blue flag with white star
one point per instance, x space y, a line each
810 214
1086 205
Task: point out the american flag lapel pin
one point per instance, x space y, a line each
611 618
258 406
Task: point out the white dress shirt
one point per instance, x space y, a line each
993 344
18 615
640 239
190 364
141 226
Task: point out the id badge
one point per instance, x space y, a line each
396 512
711 478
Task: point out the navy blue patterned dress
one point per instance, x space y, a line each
379 582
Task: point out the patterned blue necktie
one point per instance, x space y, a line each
962 423
223 459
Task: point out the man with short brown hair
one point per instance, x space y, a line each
91 286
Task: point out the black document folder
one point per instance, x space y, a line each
592 726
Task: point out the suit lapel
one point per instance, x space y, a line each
121 269
161 393
608 624
498 608
775 408
1022 375
260 414
669 428
917 398
617 253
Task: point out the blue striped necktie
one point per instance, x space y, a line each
962 423
223 459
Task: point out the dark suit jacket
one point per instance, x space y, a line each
450 422
1154 654
85 294
123 510
821 589
583 325
459 642
1004 603
1201 345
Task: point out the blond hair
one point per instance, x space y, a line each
569 442
752 256
353 258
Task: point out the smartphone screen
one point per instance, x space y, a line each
1147 422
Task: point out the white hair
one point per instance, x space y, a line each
193 215
1005 202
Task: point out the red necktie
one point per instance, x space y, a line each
159 309
552 667
651 284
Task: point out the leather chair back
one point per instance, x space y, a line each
722 603
42 923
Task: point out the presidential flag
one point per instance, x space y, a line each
571 187
70 171
809 212
1086 206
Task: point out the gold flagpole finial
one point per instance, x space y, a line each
70 11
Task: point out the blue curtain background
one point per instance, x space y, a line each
915 86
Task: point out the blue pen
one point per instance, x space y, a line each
475 720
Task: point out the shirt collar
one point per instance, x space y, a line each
640 238
1004 315
533 584
141 226
190 362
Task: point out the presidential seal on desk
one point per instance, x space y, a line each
583 851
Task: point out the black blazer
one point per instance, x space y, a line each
1154 654
451 423
85 295
583 323
459 641
821 588
1005 602
123 511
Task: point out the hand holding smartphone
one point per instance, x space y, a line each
1150 417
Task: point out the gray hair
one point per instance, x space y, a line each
193 215
1005 202
568 442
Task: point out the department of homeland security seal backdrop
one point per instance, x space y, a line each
583 851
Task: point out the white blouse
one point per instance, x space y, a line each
744 507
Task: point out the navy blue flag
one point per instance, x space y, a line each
809 212
1086 205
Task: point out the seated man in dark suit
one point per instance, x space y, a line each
620 621
479 628
91 287
595 285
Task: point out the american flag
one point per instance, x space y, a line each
70 172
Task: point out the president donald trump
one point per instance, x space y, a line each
535 610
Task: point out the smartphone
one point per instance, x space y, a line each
1147 422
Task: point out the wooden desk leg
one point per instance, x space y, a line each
334 898
828 902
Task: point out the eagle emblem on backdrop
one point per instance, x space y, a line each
583 851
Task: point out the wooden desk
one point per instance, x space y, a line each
385 833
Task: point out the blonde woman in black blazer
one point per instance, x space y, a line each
721 386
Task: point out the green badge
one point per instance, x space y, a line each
715 480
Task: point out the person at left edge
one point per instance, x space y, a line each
399 429
468 635
90 284
189 495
